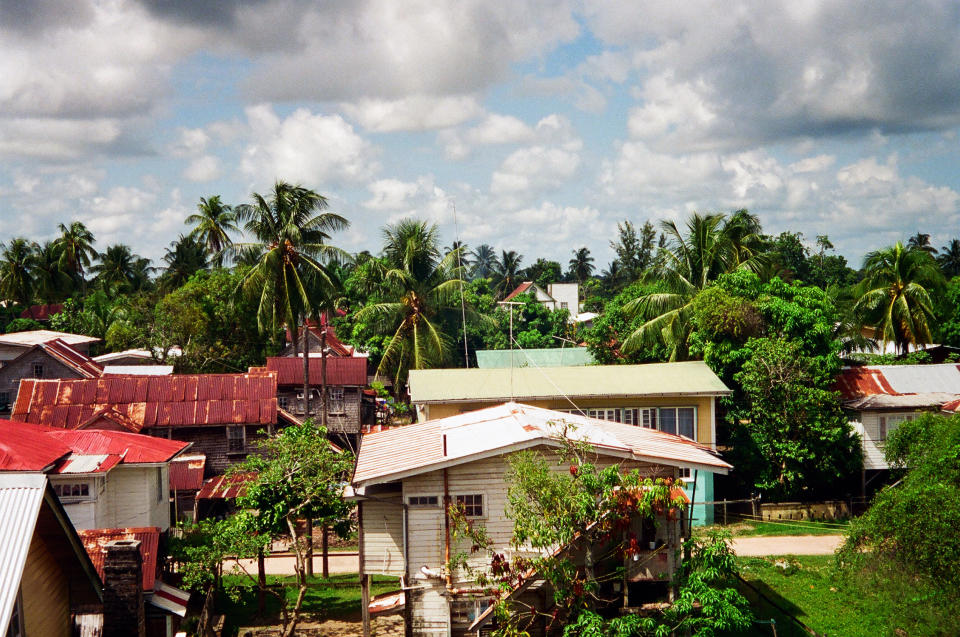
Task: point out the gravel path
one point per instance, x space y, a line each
786 545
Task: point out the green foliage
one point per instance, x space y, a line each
200 549
913 525
543 272
605 338
948 314
23 325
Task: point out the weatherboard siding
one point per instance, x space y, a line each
131 496
383 537
12 372
211 440
46 593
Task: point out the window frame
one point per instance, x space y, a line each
424 505
333 402
460 498
884 425
74 485
37 370
232 439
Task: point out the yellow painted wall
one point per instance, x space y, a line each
46 594
702 403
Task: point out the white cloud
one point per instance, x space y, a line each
533 170
190 142
305 148
495 129
414 113
56 139
204 168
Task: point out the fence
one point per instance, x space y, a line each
752 509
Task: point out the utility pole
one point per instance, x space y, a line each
510 304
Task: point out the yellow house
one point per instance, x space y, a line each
677 398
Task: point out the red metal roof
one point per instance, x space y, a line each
340 370
523 287
135 448
150 401
186 473
26 448
224 487
84 365
857 382
42 312
94 541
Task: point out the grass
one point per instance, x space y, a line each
749 528
832 603
336 597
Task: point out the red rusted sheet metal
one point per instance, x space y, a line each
186 473
857 382
94 541
343 371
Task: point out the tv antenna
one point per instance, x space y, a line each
510 304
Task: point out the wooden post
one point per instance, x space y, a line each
724 512
325 530
364 579
261 582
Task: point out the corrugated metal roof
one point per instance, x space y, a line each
691 378
35 337
150 401
42 312
186 473
21 495
139 370
556 357
899 386
427 446
26 448
224 487
83 365
79 463
520 289
341 370
94 541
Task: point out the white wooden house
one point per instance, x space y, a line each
405 479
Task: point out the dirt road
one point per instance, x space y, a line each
282 564
786 545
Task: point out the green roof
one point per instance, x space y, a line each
692 378
555 357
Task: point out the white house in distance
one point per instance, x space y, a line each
556 296
405 478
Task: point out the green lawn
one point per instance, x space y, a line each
336 597
834 604
749 528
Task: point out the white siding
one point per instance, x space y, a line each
873 441
83 515
383 537
131 498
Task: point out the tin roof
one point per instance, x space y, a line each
186 473
150 401
94 541
42 312
691 378
520 289
898 386
224 487
83 365
28 448
35 337
134 448
341 370
422 447
80 463
553 357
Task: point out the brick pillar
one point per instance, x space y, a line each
123 589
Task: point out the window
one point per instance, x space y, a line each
472 505
72 490
4 400
678 420
335 404
423 501
283 401
236 439
605 414
890 422
38 370
685 474
563 306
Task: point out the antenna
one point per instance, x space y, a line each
510 304
463 303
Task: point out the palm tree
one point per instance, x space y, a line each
507 272
484 262
291 230
212 223
581 265
422 287
52 282
949 259
16 276
75 244
921 241
119 267
712 245
186 257
894 296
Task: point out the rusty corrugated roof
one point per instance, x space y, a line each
83 365
150 401
94 541
899 386
857 382
341 370
186 473
224 487
414 449
523 287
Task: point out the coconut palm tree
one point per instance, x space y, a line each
581 265
711 245
53 284
484 262
213 222
16 271
921 241
186 257
120 267
895 295
75 244
949 259
507 272
423 287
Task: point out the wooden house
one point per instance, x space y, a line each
49 359
406 478
677 398
14 344
222 415
45 574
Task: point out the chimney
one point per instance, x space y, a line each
123 589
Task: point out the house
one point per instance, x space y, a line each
14 344
878 398
556 296
136 358
405 478
42 313
552 357
346 376
186 480
315 336
104 479
222 415
677 398
45 573
49 359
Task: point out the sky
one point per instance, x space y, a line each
530 125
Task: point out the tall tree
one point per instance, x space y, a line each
213 222
507 272
949 259
895 295
692 259
581 265
120 267
484 262
76 249
422 287
921 241
185 257
16 276
53 284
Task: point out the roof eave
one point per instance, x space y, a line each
699 394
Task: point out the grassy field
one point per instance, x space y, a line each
336 597
810 589
747 528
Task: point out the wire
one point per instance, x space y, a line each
545 375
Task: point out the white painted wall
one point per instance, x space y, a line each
131 497
568 293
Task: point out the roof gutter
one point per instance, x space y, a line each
518 399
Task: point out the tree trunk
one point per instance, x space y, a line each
326 550
309 562
261 583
